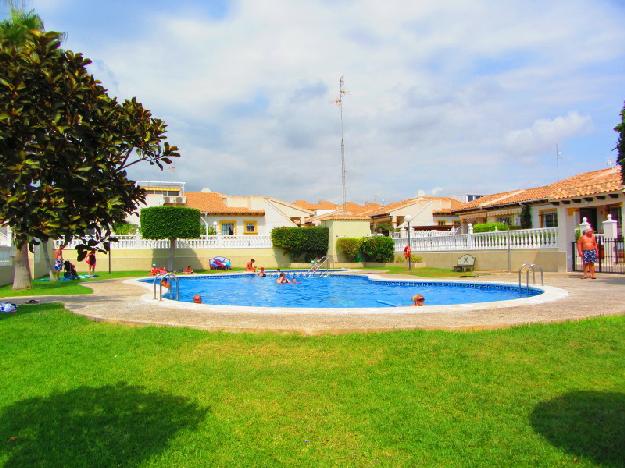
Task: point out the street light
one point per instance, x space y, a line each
407 219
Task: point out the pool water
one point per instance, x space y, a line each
339 291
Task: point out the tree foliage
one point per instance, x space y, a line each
65 146
15 30
301 243
170 222
526 217
378 249
488 227
620 145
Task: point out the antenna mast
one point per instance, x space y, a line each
339 101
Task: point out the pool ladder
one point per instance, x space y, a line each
172 279
531 267
317 265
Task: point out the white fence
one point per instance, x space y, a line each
205 242
542 238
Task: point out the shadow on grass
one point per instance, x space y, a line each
586 424
115 425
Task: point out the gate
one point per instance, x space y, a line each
611 256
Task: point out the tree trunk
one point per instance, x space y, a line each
172 254
21 268
46 256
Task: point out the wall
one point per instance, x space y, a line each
142 259
344 228
239 221
550 260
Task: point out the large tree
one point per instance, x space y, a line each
65 147
620 145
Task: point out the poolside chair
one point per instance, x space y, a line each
220 263
465 263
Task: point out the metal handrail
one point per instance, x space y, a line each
172 279
531 267
316 266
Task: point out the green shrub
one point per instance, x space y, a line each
304 243
349 247
378 249
399 258
125 229
170 222
488 227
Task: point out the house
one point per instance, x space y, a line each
595 197
159 193
244 214
420 208
324 207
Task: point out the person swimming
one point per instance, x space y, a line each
282 279
418 300
262 273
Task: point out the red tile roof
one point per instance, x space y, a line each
215 203
580 185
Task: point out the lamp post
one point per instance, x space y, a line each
408 218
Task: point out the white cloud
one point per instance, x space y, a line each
434 89
546 133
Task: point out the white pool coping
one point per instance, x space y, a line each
550 294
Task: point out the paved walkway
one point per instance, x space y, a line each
119 302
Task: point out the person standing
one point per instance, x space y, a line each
589 252
91 261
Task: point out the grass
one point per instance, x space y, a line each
424 272
79 393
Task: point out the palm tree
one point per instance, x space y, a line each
15 29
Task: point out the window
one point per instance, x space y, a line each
442 222
550 219
251 228
227 228
505 220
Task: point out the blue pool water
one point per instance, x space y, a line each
339 291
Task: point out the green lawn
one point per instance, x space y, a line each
79 393
424 272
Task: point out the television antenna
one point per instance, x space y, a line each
339 102
558 156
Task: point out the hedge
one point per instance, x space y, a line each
170 222
125 229
305 243
488 227
349 247
378 249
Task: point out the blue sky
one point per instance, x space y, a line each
445 97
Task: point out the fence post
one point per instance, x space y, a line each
509 252
470 236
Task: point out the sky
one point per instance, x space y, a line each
444 97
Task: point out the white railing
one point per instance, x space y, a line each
542 238
205 242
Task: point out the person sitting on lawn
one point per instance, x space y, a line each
188 270
70 271
249 266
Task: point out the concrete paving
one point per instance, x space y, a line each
118 301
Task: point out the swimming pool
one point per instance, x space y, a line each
340 291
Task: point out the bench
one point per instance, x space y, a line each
465 263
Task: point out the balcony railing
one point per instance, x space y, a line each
542 238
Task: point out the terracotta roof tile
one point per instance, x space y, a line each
580 185
409 201
215 203
345 216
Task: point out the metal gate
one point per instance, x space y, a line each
611 256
